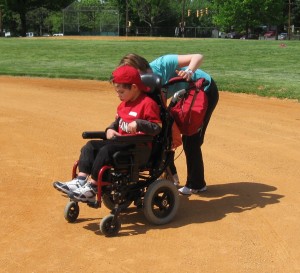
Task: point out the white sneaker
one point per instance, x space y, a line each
187 191
87 193
69 186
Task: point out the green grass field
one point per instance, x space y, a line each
259 67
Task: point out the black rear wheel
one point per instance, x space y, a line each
161 202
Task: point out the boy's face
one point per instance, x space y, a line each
126 92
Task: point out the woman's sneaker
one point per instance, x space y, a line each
187 191
85 194
67 187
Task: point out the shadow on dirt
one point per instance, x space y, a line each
213 205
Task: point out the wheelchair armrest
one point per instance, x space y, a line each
94 134
133 138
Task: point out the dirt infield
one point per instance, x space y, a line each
248 221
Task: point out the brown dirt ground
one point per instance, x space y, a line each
248 221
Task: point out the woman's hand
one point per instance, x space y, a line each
185 74
192 62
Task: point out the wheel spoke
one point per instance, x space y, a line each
161 203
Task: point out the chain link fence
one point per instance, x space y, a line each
187 32
81 19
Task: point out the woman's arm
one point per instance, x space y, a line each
192 61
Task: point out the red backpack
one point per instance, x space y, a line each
190 107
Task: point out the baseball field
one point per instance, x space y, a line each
248 220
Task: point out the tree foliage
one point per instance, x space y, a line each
247 14
295 12
22 7
152 12
226 15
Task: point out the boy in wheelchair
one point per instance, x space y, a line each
136 114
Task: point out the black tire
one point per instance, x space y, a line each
71 211
161 202
108 228
108 202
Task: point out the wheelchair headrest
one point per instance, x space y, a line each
152 80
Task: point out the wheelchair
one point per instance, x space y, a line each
135 176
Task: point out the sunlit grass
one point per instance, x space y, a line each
266 68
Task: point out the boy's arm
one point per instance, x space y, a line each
113 125
112 130
147 127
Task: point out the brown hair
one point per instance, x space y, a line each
136 61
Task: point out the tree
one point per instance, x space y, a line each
198 15
90 17
54 21
247 14
37 18
152 12
5 17
2 5
295 10
22 7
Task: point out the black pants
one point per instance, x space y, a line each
97 153
192 145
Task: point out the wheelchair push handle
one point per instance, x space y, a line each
203 82
173 81
177 97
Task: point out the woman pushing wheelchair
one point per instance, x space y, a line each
186 66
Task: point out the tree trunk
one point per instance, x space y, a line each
1 28
23 24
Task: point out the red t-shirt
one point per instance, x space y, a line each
142 108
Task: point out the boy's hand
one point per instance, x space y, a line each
132 127
110 133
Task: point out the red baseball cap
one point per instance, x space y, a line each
129 75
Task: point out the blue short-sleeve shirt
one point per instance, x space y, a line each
165 67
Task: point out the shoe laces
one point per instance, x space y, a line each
90 186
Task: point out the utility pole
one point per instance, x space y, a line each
1 27
289 22
127 28
182 18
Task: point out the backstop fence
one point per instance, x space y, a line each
83 19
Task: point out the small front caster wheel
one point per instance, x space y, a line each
71 211
110 225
